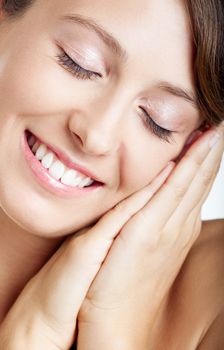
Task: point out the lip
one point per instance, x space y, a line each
67 161
48 182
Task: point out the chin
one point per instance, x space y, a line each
34 216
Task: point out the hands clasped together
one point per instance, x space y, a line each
107 282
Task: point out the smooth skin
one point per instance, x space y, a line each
116 279
98 123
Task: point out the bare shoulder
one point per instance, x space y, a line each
204 265
211 240
212 231
198 292
205 261
214 337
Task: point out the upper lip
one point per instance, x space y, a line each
68 162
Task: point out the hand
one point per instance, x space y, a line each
124 299
44 315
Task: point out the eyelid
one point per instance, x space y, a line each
151 115
82 67
159 131
167 117
166 112
88 63
75 69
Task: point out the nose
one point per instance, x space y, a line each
97 131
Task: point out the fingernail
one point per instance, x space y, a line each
214 139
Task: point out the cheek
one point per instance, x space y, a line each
34 82
146 161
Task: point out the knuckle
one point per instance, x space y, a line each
193 225
207 177
195 159
177 190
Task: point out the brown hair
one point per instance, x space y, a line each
15 8
207 21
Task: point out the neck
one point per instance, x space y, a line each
22 254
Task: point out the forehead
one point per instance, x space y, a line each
154 33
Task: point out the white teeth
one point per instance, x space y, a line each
86 182
48 159
57 170
68 177
31 141
74 179
90 182
35 146
77 181
41 151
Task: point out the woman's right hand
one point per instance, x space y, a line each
44 315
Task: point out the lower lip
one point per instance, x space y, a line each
48 182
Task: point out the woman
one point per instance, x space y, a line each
110 135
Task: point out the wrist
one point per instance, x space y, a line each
22 334
9 337
99 337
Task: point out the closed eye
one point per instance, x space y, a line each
73 67
159 131
83 74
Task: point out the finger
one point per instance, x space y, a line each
200 186
205 195
70 272
191 221
166 201
192 138
191 225
196 211
112 222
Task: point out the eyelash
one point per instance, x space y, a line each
84 74
163 134
73 67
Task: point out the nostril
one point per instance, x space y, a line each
78 138
93 141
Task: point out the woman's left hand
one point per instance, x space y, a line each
123 300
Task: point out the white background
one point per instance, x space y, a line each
213 208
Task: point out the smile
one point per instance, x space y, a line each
60 177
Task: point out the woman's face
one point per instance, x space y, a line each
136 58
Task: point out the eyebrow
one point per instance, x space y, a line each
178 92
114 44
91 24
